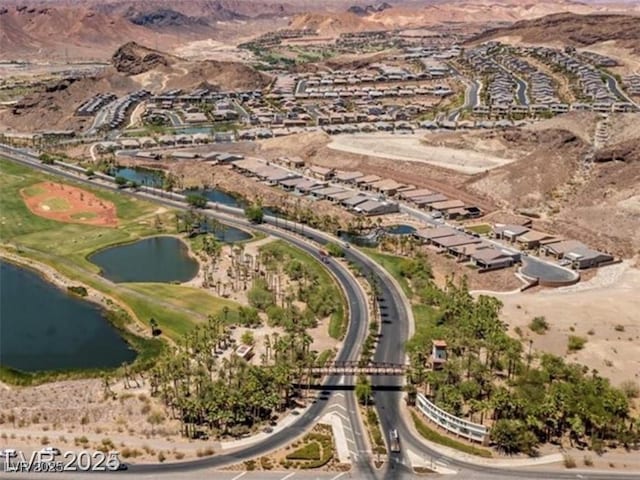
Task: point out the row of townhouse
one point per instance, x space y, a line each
315 184
374 92
589 77
468 248
90 107
117 111
569 252
554 108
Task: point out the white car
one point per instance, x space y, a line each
8 453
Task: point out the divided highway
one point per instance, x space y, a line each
396 330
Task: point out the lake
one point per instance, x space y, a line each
45 328
149 178
155 259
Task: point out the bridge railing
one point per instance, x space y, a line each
459 426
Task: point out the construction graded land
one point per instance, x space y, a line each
410 148
602 310
65 203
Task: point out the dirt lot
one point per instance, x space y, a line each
411 149
312 147
603 310
69 204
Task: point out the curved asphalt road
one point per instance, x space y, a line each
356 333
395 332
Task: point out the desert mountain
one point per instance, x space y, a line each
55 32
165 18
414 14
572 29
134 66
133 59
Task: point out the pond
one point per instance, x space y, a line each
400 230
217 196
154 259
150 178
44 328
226 233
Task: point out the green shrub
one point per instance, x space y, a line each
77 290
539 325
311 451
576 343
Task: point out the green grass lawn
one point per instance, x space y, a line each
66 246
33 191
425 316
392 264
83 215
176 322
481 228
56 204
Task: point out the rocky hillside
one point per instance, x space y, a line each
165 18
133 59
368 9
572 29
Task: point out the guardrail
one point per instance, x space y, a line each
463 428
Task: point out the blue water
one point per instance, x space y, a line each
400 230
218 196
44 328
155 259
142 177
226 233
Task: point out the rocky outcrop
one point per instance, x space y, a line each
133 59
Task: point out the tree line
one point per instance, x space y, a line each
526 399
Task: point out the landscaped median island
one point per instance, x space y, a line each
314 450
223 351
463 361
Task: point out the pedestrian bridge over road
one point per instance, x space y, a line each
359 368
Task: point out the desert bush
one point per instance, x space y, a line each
576 343
539 325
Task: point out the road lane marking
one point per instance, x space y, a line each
239 476
288 476
339 475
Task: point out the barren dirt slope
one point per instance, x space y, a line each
572 29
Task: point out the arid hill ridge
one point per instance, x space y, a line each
572 29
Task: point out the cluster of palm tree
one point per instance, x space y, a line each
285 281
223 393
527 399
